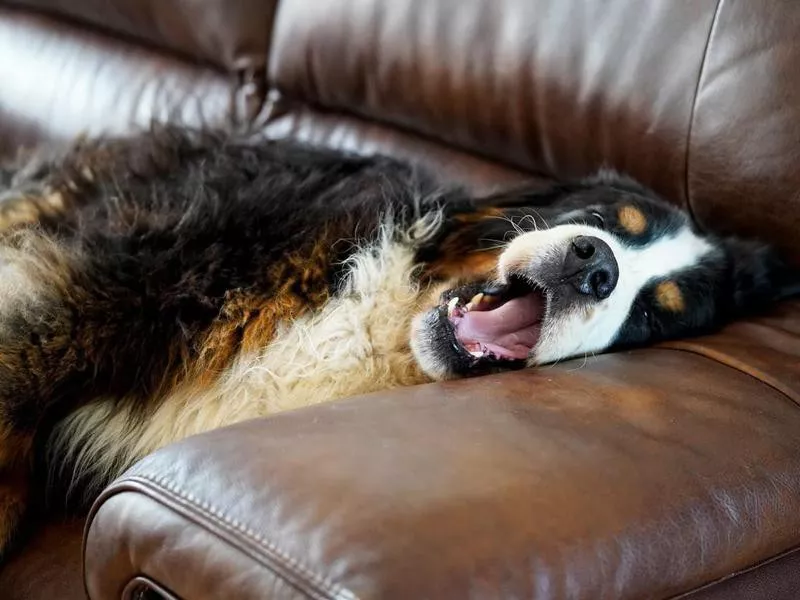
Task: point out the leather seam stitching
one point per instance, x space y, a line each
328 588
693 112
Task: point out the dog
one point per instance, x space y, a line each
176 281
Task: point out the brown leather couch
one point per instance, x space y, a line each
671 472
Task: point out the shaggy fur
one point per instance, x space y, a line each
175 282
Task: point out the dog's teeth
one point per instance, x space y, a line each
451 306
476 349
476 301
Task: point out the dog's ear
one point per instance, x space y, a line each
759 276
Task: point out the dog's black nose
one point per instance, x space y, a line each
590 267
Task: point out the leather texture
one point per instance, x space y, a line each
560 88
664 473
350 134
745 135
776 579
611 478
233 35
59 82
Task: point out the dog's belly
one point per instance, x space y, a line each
357 343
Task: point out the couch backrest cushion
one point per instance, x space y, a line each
743 163
700 100
229 34
59 81
555 87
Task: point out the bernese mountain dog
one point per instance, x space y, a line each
169 283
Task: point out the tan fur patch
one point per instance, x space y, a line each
669 296
87 173
632 220
19 211
479 215
248 321
55 200
28 209
470 265
458 256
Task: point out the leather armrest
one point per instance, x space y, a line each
644 474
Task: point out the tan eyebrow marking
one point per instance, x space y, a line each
669 296
632 219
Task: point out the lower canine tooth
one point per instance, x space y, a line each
451 306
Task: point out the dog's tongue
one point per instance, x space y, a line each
508 325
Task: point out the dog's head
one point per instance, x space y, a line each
601 264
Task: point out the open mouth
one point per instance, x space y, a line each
498 323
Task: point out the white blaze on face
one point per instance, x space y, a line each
582 330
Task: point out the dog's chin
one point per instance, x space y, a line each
480 328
